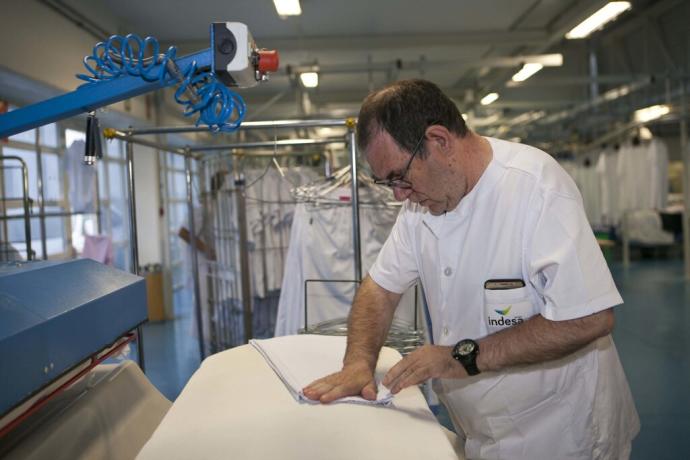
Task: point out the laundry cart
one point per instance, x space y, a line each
247 213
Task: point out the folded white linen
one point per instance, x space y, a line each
298 360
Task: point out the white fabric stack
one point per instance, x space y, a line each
298 360
645 228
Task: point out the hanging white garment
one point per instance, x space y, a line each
607 173
321 248
82 179
270 209
633 177
657 158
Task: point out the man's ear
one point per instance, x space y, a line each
439 135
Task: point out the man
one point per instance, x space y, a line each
519 295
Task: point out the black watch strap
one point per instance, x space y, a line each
466 351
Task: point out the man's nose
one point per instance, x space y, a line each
401 194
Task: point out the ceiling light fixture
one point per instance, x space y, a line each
309 79
489 98
527 71
607 13
651 113
287 7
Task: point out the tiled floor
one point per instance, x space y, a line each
653 339
652 335
172 348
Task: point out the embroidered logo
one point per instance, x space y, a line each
504 320
504 312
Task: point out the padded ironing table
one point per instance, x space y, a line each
235 406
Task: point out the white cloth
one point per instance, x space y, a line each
298 360
109 414
607 171
524 219
321 249
644 227
270 212
657 158
234 406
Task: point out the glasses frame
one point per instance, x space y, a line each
400 181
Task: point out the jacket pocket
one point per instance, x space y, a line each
504 308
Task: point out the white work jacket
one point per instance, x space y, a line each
523 220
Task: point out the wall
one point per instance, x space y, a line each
40 44
40 54
147 195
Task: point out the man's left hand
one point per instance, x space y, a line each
429 361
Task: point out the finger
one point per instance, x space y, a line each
317 389
369 392
339 391
394 372
413 377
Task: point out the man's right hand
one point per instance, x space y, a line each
356 379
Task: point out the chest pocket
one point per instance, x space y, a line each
504 308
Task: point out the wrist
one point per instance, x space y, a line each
466 353
360 362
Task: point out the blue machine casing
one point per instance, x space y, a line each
54 315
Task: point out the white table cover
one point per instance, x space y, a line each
236 407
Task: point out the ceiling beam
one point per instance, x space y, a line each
376 42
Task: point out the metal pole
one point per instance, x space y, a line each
268 144
111 133
323 123
195 256
25 201
27 219
355 205
133 243
685 155
244 258
41 194
99 222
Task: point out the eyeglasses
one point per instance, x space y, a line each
400 181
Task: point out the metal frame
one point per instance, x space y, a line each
131 136
25 201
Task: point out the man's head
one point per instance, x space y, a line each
409 133
404 109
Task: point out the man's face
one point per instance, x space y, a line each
432 183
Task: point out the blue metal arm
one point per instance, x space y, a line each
90 97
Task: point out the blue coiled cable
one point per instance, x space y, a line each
217 106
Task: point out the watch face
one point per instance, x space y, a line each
466 348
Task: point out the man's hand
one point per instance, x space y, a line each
429 361
355 379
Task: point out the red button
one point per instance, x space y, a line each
268 61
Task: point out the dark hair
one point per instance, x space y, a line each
405 109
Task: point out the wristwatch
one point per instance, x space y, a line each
466 351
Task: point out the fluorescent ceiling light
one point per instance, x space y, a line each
489 98
651 113
607 13
287 7
309 79
645 133
527 71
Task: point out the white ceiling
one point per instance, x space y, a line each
360 45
